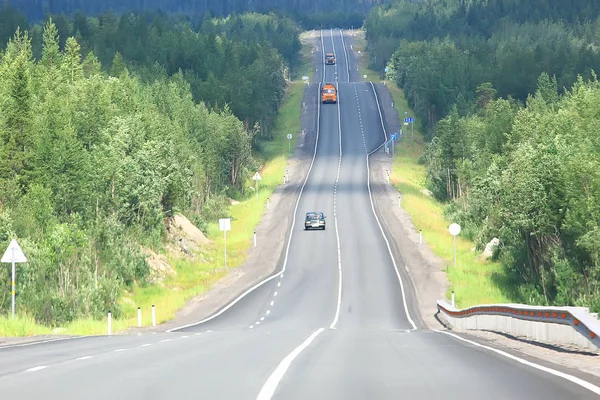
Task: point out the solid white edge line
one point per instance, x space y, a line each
287 250
335 220
11 346
377 218
346 54
323 58
578 381
268 389
38 368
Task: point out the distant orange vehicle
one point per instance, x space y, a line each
328 93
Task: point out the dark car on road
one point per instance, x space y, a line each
314 220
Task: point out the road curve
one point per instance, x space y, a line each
333 325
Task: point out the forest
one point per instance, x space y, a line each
507 94
311 13
110 125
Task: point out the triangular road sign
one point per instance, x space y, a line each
13 253
256 176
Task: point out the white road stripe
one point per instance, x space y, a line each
119 350
571 378
268 389
83 358
377 218
38 368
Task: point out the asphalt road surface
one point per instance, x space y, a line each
334 323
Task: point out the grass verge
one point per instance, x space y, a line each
195 277
472 279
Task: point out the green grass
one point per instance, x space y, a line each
472 279
195 277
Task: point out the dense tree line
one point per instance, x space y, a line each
37 10
94 161
507 93
238 61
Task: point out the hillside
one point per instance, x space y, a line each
505 91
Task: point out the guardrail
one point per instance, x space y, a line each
560 325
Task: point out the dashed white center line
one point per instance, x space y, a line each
183 337
38 368
262 318
166 340
272 302
278 284
268 312
146 345
83 358
119 350
275 294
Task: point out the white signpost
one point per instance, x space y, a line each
256 178
454 231
225 225
13 255
289 137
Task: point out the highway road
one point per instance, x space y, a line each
337 320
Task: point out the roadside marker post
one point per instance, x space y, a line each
225 225
153 315
256 178
109 330
453 298
289 137
139 317
13 254
387 173
454 231
421 236
254 238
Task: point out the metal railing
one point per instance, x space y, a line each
536 322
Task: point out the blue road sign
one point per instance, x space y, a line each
409 119
394 136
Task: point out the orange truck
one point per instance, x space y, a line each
328 93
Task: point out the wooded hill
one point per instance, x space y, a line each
110 125
507 93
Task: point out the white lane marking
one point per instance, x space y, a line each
278 284
345 53
268 312
272 302
146 345
183 337
45 341
166 340
323 59
251 326
287 250
275 294
198 334
377 218
268 389
38 368
262 318
83 358
257 323
335 67
335 221
571 378
119 350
